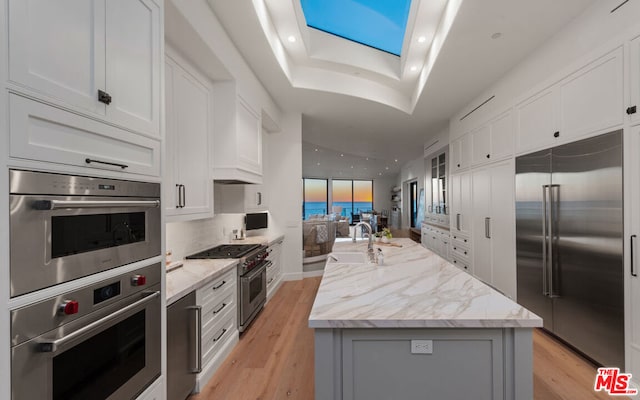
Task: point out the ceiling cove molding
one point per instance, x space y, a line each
320 61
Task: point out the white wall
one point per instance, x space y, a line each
284 181
382 193
593 29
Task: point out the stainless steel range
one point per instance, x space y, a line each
252 276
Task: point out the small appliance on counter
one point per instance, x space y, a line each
252 276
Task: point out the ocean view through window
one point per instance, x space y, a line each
315 197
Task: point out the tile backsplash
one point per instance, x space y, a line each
184 238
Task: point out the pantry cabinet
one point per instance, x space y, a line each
461 203
493 232
188 187
589 100
632 269
460 150
101 58
633 109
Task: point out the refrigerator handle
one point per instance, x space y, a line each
633 258
553 292
545 279
487 227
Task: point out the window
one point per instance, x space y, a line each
353 196
315 197
413 203
380 24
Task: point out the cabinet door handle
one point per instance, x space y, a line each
631 110
220 309
488 155
457 222
90 160
184 195
104 97
219 286
220 335
259 198
556 134
178 202
633 258
487 228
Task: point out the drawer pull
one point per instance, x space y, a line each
219 286
220 335
220 309
270 280
465 252
90 160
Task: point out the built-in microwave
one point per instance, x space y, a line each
64 227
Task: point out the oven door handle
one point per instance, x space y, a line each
52 346
257 271
60 204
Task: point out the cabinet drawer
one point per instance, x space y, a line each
217 309
459 239
44 133
273 274
213 339
207 293
460 252
460 263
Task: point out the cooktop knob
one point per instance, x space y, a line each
68 307
138 280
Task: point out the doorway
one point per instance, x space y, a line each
413 202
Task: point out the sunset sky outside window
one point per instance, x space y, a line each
363 191
315 190
341 191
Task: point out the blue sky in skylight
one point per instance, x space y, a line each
377 23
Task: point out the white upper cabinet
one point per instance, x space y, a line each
502 136
633 109
481 152
537 120
590 100
188 186
68 52
133 64
460 150
237 145
58 49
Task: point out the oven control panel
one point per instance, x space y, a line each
106 292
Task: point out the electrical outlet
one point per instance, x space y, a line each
422 347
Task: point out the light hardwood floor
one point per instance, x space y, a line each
274 358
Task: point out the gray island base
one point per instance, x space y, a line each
418 328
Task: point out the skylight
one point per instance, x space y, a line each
380 24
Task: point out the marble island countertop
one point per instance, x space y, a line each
415 288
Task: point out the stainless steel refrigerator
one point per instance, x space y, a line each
569 243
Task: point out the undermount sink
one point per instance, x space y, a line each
347 258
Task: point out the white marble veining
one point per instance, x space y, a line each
194 274
415 288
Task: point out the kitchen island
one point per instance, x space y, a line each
417 327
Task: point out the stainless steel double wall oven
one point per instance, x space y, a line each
101 341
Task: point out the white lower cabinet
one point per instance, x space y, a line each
436 239
188 185
493 236
218 300
274 271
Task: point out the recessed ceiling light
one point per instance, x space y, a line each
367 158
496 35
291 39
365 168
318 163
414 68
316 149
380 174
352 166
396 160
386 167
341 155
422 39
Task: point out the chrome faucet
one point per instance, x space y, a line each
355 230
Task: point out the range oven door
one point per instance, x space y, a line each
253 294
112 353
55 239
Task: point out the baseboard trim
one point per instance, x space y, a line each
292 276
311 274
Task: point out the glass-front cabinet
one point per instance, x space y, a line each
437 172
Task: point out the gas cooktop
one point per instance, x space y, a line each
225 251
